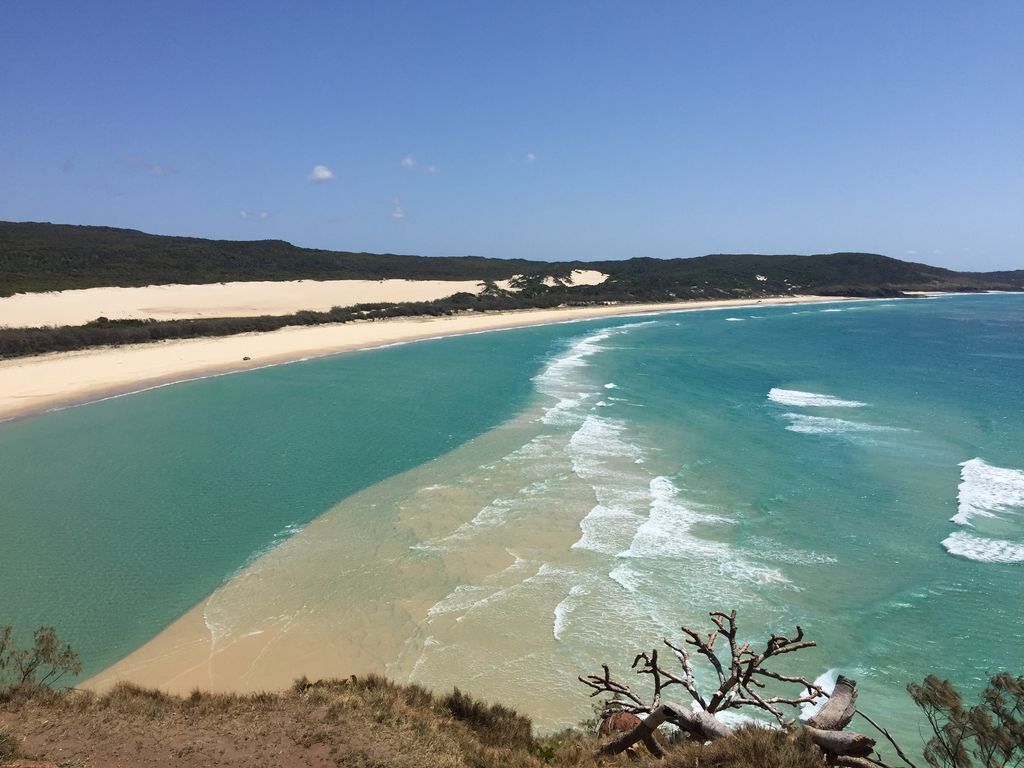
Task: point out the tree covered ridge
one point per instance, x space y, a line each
47 257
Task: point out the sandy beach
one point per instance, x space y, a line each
35 384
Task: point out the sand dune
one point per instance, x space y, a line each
176 302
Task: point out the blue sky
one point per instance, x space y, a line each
576 130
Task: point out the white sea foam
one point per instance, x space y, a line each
988 491
742 570
611 385
597 442
563 609
798 399
822 425
603 528
601 455
983 549
469 597
461 599
770 549
559 378
665 531
626 577
734 319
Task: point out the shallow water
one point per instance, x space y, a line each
534 503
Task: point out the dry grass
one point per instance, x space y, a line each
367 722
8 744
750 747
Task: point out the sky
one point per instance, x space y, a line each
568 130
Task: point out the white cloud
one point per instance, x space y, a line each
530 158
254 215
408 162
321 173
397 211
432 168
137 163
911 253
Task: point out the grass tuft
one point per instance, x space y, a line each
9 747
751 747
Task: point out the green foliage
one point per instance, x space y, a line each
45 257
987 735
44 663
49 257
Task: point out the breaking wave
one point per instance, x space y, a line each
992 497
798 399
988 491
823 425
982 549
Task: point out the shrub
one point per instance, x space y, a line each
45 663
989 734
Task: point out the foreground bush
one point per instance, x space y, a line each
44 663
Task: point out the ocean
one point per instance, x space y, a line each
506 511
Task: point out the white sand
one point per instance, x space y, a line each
176 302
576 277
34 384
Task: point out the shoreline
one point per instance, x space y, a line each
190 652
34 385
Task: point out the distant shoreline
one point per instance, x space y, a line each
34 385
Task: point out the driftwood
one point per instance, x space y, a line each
742 679
839 709
623 723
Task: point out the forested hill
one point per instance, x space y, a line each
48 257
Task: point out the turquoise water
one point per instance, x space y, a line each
120 515
801 464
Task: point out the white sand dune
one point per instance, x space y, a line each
250 299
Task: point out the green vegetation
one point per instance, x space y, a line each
17 342
987 735
44 257
50 257
44 663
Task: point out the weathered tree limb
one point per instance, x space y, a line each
624 722
845 743
700 725
857 762
888 737
742 681
839 709
608 684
